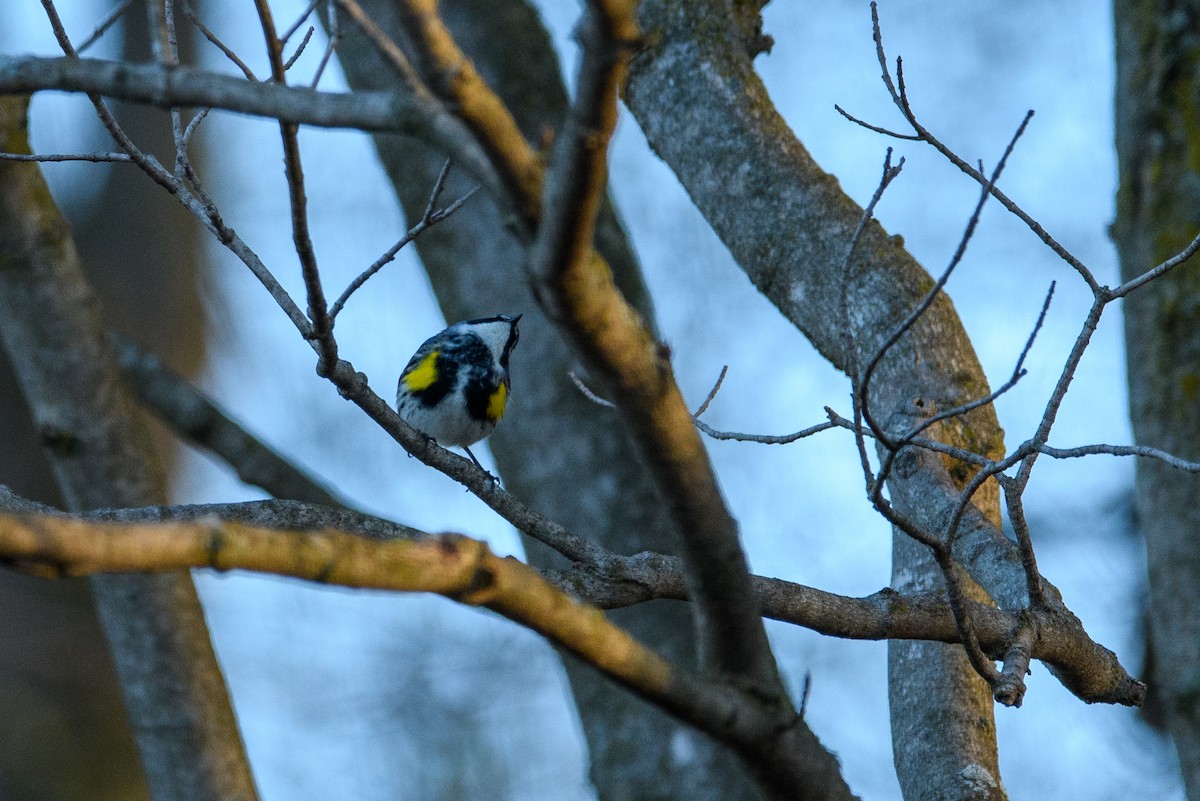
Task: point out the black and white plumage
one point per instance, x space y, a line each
455 387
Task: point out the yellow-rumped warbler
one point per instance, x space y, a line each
455 386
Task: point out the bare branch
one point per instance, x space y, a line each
146 162
712 393
334 31
587 393
184 86
766 439
198 419
104 25
287 65
579 290
1017 374
1009 688
432 216
875 128
947 414
849 344
923 306
194 18
1155 272
620 581
453 566
295 26
192 126
122 158
1121 450
900 98
322 336
1016 515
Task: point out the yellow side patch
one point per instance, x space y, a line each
424 374
495 409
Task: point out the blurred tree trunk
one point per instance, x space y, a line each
1158 212
555 436
68 735
50 324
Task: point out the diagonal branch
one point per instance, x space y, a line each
199 420
453 77
618 347
454 566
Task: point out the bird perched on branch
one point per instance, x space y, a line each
455 387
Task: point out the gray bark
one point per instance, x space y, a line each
705 112
1158 211
49 323
562 454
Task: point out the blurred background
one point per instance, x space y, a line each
371 696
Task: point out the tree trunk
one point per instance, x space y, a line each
50 325
1158 212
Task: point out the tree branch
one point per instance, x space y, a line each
165 86
199 420
453 566
617 345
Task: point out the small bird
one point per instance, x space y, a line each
455 387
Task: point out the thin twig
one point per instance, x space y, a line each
145 161
875 128
848 338
190 13
165 47
295 26
192 125
1017 374
932 294
1155 272
765 439
334 34
1060 391
712 393
587 393
104 25
962 454
1013 498
287 65
203 209
1142 451
430 217
900 98
955 593
391 52
860 382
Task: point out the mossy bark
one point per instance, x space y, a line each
1158 212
